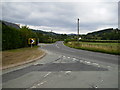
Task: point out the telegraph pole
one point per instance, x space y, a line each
51 35
78 29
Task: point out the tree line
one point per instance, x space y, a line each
106 34
13 38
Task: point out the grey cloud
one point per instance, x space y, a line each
62 15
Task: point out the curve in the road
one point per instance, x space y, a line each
88 55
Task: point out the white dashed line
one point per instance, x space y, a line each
33 87
98 65
67 72
108 66
68 57
74 59
87 62
64 56
95 64
81 61
47 74
42 82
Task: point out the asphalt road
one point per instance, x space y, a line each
65 67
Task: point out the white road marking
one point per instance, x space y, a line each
68 57
96 86
81 60
108 66
42 82
86 61
57 46
47 74
63 56
67 72
95 64
74 59
33 87
98 65
38 84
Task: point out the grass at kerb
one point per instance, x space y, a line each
110 48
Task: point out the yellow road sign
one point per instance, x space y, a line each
32 41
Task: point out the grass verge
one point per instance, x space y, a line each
17 56
110 48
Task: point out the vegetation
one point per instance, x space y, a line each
111 48
18 56
109 35
13 38
106 34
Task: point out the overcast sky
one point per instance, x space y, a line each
61 17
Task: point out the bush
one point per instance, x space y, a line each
13 38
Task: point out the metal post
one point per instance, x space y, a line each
31 45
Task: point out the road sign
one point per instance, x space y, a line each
32 41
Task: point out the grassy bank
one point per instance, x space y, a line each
16 56
111 48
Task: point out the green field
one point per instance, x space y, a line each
111 48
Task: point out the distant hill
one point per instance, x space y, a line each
106 34
44 32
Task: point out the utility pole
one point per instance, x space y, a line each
78 29
51 35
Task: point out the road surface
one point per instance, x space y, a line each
65 67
